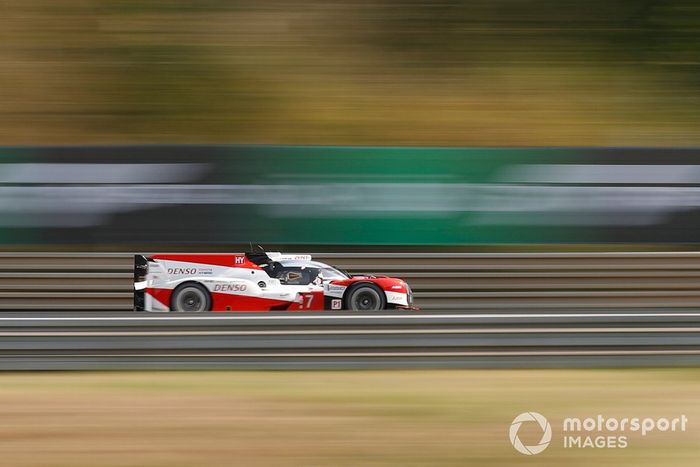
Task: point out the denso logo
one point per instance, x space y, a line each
182 270
230 288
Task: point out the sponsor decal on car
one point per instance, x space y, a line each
398 298
230 288
178 271
190 271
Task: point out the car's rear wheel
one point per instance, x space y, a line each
191 297
366 297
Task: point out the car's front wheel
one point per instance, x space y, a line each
191 297
366 297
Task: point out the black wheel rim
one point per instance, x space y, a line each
366 299
191 300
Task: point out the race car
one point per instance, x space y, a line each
259 281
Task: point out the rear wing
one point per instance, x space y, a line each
140 268
141 264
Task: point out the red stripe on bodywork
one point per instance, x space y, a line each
312 301
211 259
230 302
162 295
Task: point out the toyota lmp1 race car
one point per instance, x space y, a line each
259 281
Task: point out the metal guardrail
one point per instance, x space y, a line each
104 340
441 281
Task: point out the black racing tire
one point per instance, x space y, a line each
365 297
191 297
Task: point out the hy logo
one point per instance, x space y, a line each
546 433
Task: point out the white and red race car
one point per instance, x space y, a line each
259 281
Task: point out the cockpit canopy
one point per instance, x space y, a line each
294 269
301 272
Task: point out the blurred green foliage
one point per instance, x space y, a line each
409 72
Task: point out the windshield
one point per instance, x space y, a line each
331 273
326 271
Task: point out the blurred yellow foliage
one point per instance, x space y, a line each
409 72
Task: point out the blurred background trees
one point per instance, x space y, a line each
409 72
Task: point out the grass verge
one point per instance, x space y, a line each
353 418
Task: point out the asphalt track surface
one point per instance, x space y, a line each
334 340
